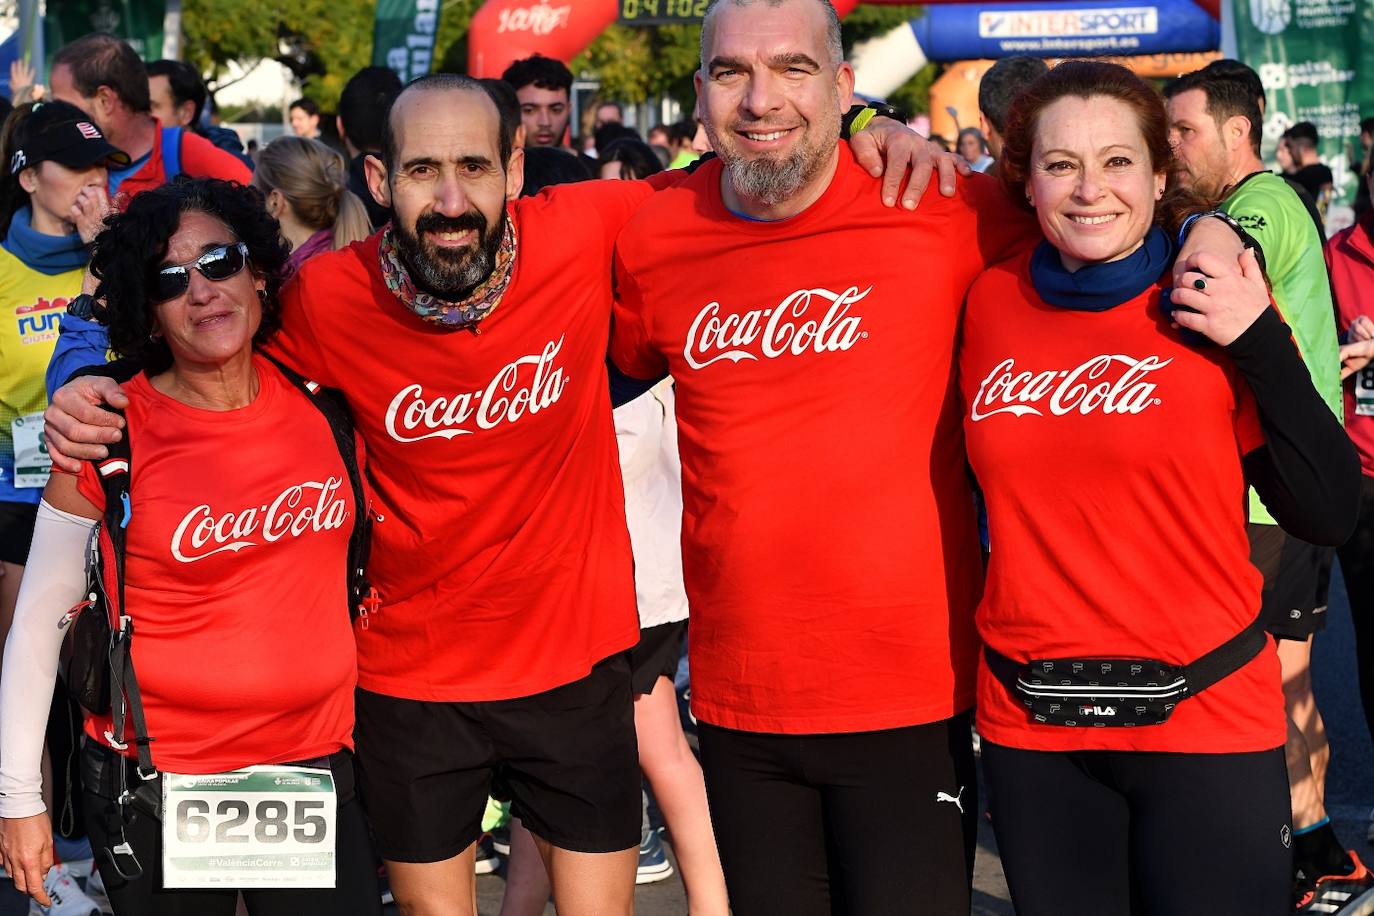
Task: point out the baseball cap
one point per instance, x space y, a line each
62 133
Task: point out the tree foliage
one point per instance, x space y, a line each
325 41
634 64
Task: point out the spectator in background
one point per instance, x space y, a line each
974 148
680 137
101 75
363 105
1248 83
543 86
1283 154
940 141
1361 167
305 118
178 97
508 103
610 133
1310 172
659 136
609 113
546 166
305 184
629 159
998 88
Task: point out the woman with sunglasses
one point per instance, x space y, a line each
238 524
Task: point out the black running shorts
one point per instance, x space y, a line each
1297 576
566 759
656 655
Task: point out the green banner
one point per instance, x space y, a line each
139 22
403 38
1316 59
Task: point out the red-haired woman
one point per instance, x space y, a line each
1114 431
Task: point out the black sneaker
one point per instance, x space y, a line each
1330 894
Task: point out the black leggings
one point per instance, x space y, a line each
859 824
1357 568
1117 833
355 892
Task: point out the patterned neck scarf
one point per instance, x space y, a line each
454 316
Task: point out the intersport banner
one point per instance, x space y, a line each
403 36
1316 59
971 31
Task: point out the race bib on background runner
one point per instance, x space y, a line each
262 826
31 460
1364 392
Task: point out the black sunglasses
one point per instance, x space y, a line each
216 264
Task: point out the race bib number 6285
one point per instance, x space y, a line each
262 826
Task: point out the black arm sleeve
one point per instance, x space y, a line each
121 370
1307 473
624 388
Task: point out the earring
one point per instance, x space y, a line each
262 296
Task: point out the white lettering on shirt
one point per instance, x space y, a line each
1111 383
297 510
790 328
522 387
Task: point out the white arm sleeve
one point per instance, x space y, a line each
54 580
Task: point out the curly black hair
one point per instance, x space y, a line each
128 251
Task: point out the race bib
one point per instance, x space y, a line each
1364 392
262 826
31 461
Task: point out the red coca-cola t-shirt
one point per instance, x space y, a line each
500 550
235 579
829 547
1109 451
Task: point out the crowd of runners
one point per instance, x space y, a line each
383 481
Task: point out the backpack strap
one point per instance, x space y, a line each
126 700
334 408
171 152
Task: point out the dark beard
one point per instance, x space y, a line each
444 273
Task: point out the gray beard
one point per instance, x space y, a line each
768 180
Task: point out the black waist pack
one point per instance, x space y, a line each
1118 692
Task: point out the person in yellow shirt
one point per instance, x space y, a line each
52 203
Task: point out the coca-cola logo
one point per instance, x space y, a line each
538 20
522 387
1111 383
300 509
792 327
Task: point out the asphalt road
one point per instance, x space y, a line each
1349 788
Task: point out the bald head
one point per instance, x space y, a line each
477 102
831 24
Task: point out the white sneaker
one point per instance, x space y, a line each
67 897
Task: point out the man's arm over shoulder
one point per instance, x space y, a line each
202 159
80 343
